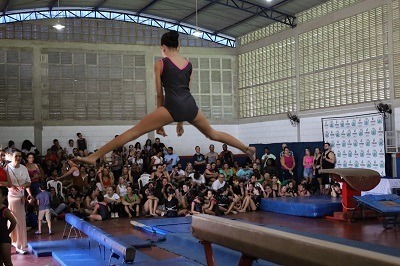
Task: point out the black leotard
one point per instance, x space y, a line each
178 99
4 235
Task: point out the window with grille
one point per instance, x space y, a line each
396 48
94 86
345 62
267 80
212 87
16 98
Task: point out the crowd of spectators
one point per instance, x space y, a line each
151 180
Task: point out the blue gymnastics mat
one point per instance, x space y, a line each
313 206
93 257
186 245
166 221
386 204
45 248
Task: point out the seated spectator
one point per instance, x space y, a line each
245 173
226 171
219 183
336 191
78 207
101 211
210 174
252 199
172 205
69 150
57 205
291 189
197 205
197 179
91 198
269 193
113 201
189 169
131 203
212 207
105 178
302 191
121 187
178 176
270 167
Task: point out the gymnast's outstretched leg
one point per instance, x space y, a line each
156 120
201 123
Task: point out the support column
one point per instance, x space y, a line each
37 98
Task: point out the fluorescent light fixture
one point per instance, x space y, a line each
197 33
58 26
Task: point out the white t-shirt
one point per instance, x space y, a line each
115 196
217 185
199 181
69 150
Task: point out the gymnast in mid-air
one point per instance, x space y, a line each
172 75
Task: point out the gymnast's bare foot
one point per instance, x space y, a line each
251 152
88 160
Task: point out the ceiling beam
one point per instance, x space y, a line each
146 7
4 7
52 4
194 13
280 3
100 4
266 12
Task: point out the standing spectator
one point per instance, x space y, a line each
328 162
226 155
284 146
43 200
3 161
8 222
171 159
11 147
35 175
211 156
308 163
82 145
287 164
20 180
317 166
199 161
267 155
28 147
158 146
57 149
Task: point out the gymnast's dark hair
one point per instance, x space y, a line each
170 39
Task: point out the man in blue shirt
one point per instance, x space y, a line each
171 159
245 173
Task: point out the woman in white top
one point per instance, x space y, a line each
121 187
20 180
156 160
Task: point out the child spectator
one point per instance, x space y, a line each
131 203
302 191
113 201
78 207
252 199
172 205
197 205
6 217
101 211
43 200
269 193
336 191
291 189
57 206
212 208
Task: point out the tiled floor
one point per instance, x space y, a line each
370 230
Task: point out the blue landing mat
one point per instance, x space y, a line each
186 245
166 221
175 228
45 248
92 257
387 204
313 206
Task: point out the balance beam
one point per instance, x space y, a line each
117 247
285 248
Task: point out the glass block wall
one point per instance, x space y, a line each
343 63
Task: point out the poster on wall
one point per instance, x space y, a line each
358 141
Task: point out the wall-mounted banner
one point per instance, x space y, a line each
358 141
